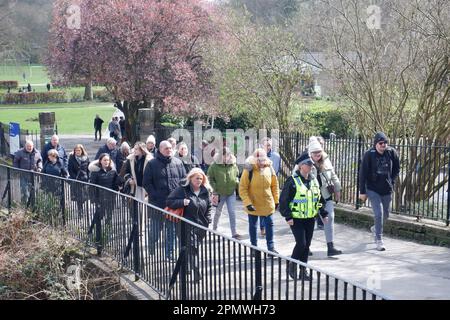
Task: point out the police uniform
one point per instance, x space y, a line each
301 201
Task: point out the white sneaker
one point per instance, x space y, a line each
380 245
372 229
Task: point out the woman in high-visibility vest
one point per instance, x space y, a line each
300 202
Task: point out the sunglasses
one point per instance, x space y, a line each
382 142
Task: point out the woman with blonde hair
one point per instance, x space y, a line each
194 197
260 195
133 170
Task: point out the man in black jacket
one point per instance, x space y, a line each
98 127
379 169
162 175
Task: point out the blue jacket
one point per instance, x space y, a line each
161 176
113 154
61 154
276 161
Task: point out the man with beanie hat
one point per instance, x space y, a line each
379 170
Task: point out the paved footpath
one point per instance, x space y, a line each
406 270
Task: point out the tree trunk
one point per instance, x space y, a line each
88 93
130 110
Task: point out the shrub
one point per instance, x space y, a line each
75 96
9 84
103 95
33 97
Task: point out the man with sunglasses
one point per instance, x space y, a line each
379 170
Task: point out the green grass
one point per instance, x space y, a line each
72 118
34 74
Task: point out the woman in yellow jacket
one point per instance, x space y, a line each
259 191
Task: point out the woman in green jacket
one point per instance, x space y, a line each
223 177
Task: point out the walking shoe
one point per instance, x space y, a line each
263 231
292 270
332 251
372 229
274 251
380 245
237 236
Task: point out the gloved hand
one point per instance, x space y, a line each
251 208
323 213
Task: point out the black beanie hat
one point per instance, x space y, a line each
304 159
379 136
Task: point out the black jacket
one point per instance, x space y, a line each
198 210
288 194
190 162
78 170
161 176
108 179
379 171
61 153
98 123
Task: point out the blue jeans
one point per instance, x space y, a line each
155 233
253 226
231 206
380 205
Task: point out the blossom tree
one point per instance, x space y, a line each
147 53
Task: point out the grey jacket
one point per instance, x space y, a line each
28 160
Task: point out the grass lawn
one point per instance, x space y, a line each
72 118
34 74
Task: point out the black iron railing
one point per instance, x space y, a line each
179 260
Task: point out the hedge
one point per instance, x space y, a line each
103 95
33 97
12 84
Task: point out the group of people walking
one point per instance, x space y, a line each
170 177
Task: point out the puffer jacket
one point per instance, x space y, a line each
325 175
262 191
28 160
224 178
198 210
108 179
162 175
61 153
55 169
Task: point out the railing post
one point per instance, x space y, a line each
258 276
63 203
360 142
8 173
136 224
183 238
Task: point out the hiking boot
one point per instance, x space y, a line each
380 245
332 251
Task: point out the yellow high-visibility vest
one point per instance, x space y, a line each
306 202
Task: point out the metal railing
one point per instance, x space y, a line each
422 189
179 260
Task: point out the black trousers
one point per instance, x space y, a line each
99 130
303 230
